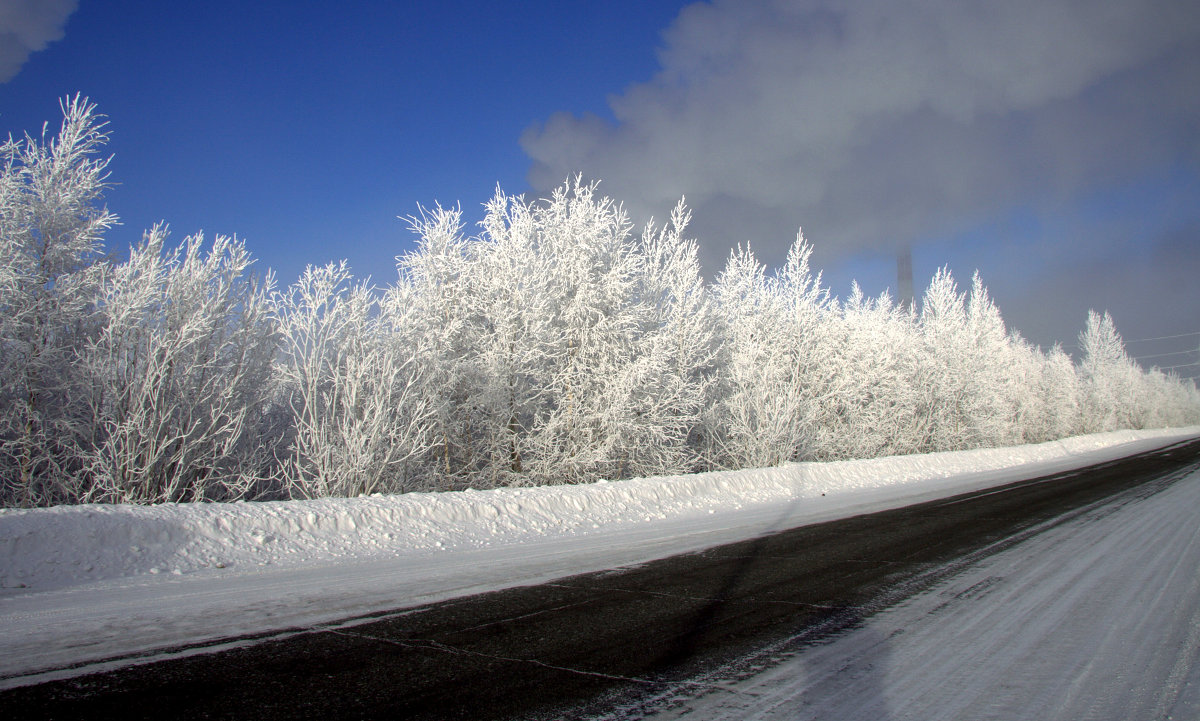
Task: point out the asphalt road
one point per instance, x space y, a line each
580 645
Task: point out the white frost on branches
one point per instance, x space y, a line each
349 385
51 232
555 345
176 375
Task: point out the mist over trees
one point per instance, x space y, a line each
553 345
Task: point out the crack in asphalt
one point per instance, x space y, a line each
524 616
682 597
432 645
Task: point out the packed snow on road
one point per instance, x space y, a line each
96 586
1094 618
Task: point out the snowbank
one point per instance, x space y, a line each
50 548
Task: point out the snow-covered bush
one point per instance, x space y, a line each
562 348
1109 378
177 375
51 231
556 345
683 353
351 387
775 374
873 410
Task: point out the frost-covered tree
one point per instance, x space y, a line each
177 375
1060 387
1182 407
351 385
1000 373
618 330
1045 393
945 381
970 391
565 348
811 340
1107 376
598 320
676 379
554 345
751 422
444 282
873 410
51 227
776 377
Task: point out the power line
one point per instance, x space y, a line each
1181 365
1127 341
1160 355
1166 337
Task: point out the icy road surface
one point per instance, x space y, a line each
1098 618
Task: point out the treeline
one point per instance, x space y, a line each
554 346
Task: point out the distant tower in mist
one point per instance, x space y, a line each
904 276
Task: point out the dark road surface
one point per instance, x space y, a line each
566 649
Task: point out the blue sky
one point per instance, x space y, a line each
1051 145
306 128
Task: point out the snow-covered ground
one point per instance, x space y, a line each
102 586
1096 618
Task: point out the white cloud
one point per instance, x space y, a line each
27 26
871 122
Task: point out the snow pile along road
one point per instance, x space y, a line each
43 549
90 588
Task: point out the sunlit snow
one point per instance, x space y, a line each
92 582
